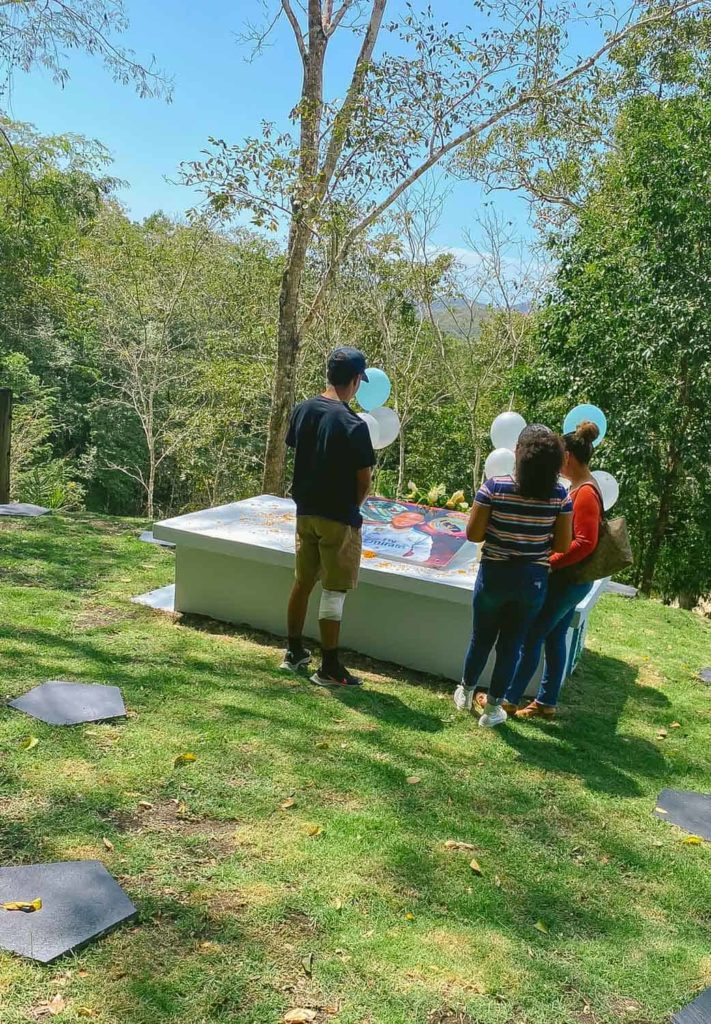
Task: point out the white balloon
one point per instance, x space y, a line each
608 486
501 462
506 428
388 425
373 427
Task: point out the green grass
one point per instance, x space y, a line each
234 893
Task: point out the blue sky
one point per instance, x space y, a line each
217 92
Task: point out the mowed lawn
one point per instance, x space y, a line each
298 862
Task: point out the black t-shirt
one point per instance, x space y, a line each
332 443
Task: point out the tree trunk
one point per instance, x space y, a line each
401 462
302 210
5 443
288 340
151 488
661 522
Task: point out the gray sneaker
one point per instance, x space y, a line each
463 697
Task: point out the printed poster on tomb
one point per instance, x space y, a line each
412 533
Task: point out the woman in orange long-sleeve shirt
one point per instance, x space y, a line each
550 628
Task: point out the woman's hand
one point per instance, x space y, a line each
478 522
563 532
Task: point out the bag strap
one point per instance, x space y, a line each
598 494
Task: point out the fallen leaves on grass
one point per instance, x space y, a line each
692 841
29 743
662 734
52 1008
455 844
300 1016
675 725
474 865
409 917
23 906
145 805
308 964
107 844
314 830
338 905
542 927
187 758
323 745
413 780
287 804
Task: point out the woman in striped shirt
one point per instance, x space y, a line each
521 519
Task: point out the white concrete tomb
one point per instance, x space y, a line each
236 563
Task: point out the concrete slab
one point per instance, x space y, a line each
60 703
80 902
687 809
621 589
19 508
148 538
698 1012
162 599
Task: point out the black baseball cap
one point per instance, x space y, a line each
345 363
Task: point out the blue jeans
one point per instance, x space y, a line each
549 630
507 598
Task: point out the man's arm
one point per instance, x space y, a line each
364 480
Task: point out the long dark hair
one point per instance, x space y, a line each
539 458
579 442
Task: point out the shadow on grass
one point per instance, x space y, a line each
70 552
186 686
585 740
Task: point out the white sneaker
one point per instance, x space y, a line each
490 719
463 697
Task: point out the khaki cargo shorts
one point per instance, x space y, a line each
328 551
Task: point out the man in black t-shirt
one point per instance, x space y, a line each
333 464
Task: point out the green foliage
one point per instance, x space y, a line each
629 327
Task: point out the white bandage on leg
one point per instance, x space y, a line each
331 606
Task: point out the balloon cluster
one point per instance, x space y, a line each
505 431
383 423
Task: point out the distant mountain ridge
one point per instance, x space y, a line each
464 319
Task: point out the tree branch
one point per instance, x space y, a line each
466 136
296 28
333 22
344 115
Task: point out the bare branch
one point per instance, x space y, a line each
471 133
333 22
296 28
344 115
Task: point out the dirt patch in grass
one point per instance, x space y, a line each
173 816
648 675
447 1016
100 616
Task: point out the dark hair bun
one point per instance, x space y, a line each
587 431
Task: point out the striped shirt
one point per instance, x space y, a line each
520 527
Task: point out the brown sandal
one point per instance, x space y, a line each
536 710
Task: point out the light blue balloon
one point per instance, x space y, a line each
376 392
584 412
